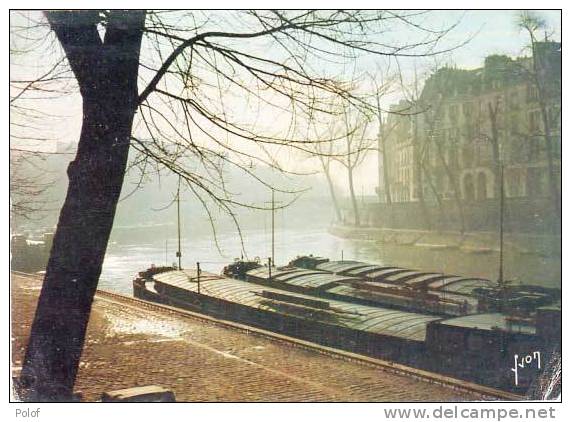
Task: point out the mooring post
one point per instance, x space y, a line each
198 276
178 252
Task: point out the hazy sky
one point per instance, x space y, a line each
492 32
495 33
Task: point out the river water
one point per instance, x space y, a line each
124 258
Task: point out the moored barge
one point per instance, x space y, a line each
470 342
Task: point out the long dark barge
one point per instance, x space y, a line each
478 344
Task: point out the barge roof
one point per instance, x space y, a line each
381 274
341 266
466 286
488 322
355 288
377 320
310 279
404 276
363 271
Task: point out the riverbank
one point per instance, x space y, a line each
470 242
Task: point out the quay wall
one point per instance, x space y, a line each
523 243
521 215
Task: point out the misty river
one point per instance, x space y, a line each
124 259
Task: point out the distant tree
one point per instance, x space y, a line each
489 123
358 143
29 180
546 87
435 143
381 86
414 111
26 187
325 152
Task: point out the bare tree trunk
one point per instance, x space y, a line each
350 166
383 148
531 24
419 182
494 140
386 175
107 77
455 188
417 157
434 190
383 145
433 124
353 197
554 191
332 193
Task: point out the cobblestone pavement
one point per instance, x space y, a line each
128 345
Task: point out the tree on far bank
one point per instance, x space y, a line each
545 78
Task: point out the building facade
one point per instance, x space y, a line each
469 125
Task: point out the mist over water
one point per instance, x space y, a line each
145 233
124 259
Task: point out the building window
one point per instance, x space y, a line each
514 101
513 183
515 130
439 181
482 186
532 93
467 156
554 114
469 131
533 118
499 103
534 182
467 109
454 135
453 113
468 187
453 157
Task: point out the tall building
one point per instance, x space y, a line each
467 124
